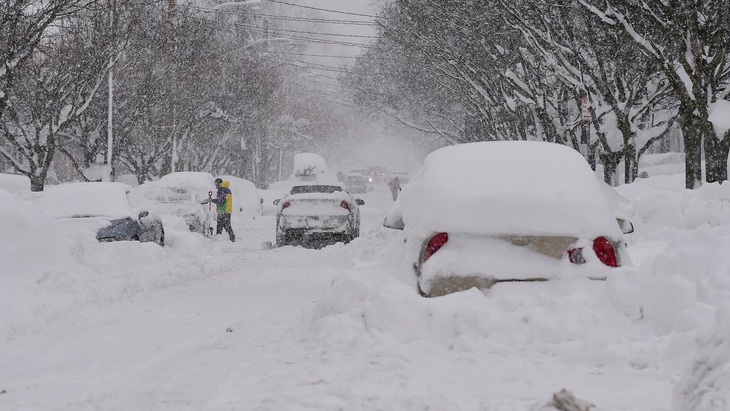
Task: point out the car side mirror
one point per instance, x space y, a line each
144 214
360 201
276 202
627 227
394 223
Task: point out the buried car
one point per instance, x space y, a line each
180 194
507 211
114 210
313 214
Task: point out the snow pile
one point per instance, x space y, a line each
33 247
706 385
506 187
53 265
14 183
86 200
641 321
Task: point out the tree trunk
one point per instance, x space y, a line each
548 127
631 165
37 183
610 163
716 152
692 135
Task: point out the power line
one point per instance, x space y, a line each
287 18
316 33
289 36
320 9
304 38
322 65
316 55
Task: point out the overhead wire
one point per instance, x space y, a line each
316 33
322 9
292 37
282 17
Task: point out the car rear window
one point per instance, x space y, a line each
315 189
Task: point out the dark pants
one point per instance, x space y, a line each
224 221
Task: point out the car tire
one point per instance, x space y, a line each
281 240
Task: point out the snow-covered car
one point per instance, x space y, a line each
483 213
180 194
114 210
312 214
378 174
357 184
621 207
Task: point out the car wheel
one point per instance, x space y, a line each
281 240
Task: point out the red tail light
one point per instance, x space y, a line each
344 204
434 244
605 251
285 205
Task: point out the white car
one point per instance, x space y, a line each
180 194
114 211
315 214
483 213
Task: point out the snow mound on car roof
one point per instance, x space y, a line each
86 200
309 164
507 187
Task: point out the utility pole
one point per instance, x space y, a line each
172 82
107 174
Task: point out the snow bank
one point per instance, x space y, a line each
14 183
50 267
33 247
507 187
644 319
706 384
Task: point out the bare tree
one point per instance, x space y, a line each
623 86
51 90
690 42
23 25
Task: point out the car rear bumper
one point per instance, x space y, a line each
314 224
467 262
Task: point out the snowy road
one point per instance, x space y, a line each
337 329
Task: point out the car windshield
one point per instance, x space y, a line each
315 189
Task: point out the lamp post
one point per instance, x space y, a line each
107 174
